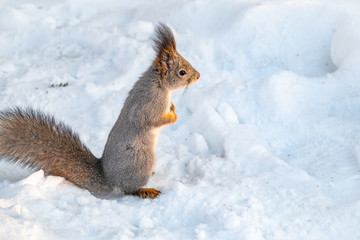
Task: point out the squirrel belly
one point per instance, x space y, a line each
37 140
135 135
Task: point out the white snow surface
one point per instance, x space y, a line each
267 142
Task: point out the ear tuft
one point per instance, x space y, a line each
164 41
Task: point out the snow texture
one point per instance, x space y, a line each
267 142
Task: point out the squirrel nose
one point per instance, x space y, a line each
197 75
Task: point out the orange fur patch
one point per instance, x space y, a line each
169 117
147 193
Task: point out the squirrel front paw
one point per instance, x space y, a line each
172 107
169 117
147 193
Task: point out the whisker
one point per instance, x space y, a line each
183 95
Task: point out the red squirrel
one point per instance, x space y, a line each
39 141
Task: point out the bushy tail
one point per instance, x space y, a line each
37 140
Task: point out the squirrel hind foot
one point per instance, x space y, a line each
146 193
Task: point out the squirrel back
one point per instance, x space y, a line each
37 140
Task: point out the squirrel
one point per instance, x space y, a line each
37 140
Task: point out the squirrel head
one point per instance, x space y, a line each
174 70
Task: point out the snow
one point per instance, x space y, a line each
267 142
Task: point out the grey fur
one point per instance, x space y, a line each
37 140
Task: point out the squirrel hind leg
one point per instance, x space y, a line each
108 192
146 193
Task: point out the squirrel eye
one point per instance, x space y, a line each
182 72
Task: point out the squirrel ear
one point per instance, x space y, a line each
165 48
166 63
